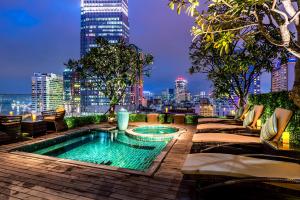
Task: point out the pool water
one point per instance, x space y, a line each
99 147
155 130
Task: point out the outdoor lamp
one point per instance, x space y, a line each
33 117
11 113
167 109
258 123
286 137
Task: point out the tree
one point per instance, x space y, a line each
113 68
276 20
233 73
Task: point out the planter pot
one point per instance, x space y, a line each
123 119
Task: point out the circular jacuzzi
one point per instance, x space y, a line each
154 133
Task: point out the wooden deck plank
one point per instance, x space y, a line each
50 178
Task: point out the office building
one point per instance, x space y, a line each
280 78
107 19
71 92
181 90
47 91
103 18
255 87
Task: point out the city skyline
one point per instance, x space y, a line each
29 27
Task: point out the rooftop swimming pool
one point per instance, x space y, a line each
114 148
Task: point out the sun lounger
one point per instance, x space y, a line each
217 164
219 127
238 121
233 143
152 118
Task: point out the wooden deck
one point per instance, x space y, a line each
26 177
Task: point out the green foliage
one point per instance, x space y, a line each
161 118
233 73
113 68
74 122
271 101
170 119
191 119
137 118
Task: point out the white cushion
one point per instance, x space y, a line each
249 119
238 166
269 129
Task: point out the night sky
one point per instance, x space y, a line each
40 35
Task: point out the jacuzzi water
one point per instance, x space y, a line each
155 130
99 147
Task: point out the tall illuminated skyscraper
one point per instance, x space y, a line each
100 18
103 18
181 90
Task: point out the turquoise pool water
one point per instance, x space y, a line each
155 130
98 147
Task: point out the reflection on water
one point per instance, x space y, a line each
19 104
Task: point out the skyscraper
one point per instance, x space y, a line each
280 77
71 92
181 90
107 19
103 18
47 91
255 86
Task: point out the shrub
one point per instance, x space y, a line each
161 118
271 101
100 118
191 119
137 117
73 122
170 118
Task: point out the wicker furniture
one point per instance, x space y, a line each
10 127
34 127
55 120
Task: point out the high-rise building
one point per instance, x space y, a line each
255 86
103 18
47 91
280 77
107 19
71 92
181 90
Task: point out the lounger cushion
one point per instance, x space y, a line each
249 119
238 166
269 129
224 138
215 127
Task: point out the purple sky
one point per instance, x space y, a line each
40 35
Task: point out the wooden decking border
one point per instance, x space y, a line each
27 177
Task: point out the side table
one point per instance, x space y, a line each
34 127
